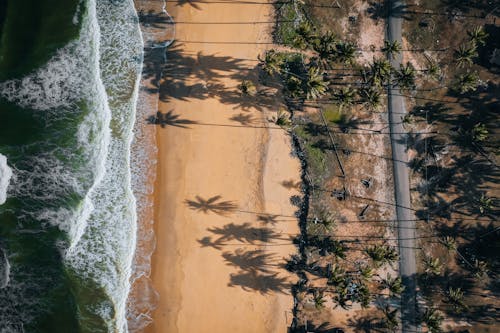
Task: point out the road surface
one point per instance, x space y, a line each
405 215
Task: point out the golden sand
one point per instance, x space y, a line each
223 217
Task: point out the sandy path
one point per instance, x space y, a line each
223 215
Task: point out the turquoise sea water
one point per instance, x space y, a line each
68 87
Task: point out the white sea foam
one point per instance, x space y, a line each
5 176
101 70
105 250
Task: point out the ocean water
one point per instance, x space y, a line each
69 76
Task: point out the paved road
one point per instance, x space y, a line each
405 216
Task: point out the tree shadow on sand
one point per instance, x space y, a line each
244 233
211 205
200 76
191 3
263 283
250 261
169 119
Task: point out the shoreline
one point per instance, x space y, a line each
189 175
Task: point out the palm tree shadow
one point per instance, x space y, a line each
244 233
250 261
169 119
268 219
211 205
192 3
311 327
243 119
264 283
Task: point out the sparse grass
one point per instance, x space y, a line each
333 114
288 16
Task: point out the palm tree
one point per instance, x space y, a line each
467 82
381 254
456 298
433 70
371 97
315 85
294 86
380 72
272 62
449 243
342 297
391 48
336 275
479 133
345 52
395 285
433 319
408 120
326 220
344 97
319 299
480 269
325 46
465 54
282 118
391 321
405 76
304 34
478 35
366 272
432 266
247 87
485 204
361 294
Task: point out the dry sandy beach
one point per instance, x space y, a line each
223 217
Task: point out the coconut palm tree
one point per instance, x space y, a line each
345 52
305 33
433 319
405 76
326 220
371 97
456 298
272 62
282 118
467 82
391 321
294 86
391 48
479 133
408 120
342 298
365 272
361 294
380 72
485 204
394 284
432 266
465 54
449 243
325 46
433 70
382 254
480 269
247 87
478 36
336 275
344 97
315 85
319 299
